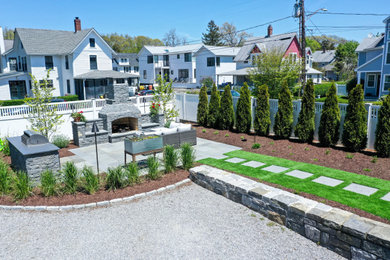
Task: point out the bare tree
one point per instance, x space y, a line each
172 39
230 36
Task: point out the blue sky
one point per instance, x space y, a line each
189 18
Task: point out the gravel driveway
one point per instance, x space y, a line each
186 223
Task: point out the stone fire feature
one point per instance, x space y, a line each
118 109
33 154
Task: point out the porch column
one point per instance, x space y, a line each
358 77
84 91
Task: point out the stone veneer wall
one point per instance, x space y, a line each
82 135
34 165
343 232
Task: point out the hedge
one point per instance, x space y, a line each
18 102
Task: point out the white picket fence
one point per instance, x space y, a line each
14 119
188 105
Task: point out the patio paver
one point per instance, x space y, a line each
299 174
275 169
253 164
361 189
235 160
386 197
327 181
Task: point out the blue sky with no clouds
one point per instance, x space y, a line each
189 18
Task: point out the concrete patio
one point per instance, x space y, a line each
112 154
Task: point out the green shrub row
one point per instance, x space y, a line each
18 102
71 180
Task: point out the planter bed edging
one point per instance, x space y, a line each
95 204
343 232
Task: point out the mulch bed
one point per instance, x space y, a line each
101 195
64 152
336 157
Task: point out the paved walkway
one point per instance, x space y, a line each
112 155
187 223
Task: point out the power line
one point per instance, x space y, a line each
361 14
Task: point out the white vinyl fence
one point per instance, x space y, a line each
13 119
188 104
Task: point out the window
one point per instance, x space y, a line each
126 69
386 85
49 83
49 62
218 61
92 62
92 42
210 62
171 72
388 53
187 57
178 56
292 57
150 59
145 74
155 58
24 63
120 81
116 68
21 45
68 86
17 89
371 81
19 64
12 64
194 73
136 68
183 74
66 62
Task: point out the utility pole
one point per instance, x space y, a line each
300 13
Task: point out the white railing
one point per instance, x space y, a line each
188 106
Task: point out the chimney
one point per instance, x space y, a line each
269 31
323 49
77 24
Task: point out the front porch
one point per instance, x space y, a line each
371 81
94 84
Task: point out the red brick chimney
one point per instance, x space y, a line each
269 31
77 24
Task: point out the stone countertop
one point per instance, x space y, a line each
31 149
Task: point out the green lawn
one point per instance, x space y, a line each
372 204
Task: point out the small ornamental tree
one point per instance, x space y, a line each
214 107
355 125
203 106
262 120
382 141
304 129
243 112
284 116
43 117
226 120
163 99
328 132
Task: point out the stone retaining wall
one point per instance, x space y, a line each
343 232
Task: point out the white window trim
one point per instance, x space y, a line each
375 79
384 81
387 53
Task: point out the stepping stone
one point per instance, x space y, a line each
235 160
275 169
327 181
253 164
386 197
299 174
361 189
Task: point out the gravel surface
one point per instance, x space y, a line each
186 223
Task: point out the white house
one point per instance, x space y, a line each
213 60
174 63
69 55
126 63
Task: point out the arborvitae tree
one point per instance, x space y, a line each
226 120
284 116
382 141
243 112
304 129
203 106
355 125
328 132
214 108
262 120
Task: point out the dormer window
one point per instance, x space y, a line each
21 45
92 42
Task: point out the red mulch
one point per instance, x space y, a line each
101 195
64 152
303 152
